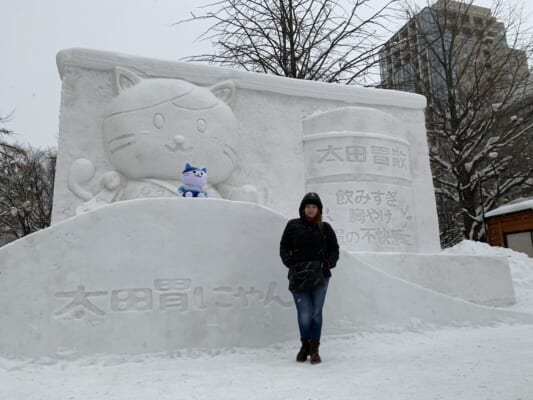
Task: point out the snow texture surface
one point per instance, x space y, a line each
462 363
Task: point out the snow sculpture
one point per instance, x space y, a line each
109 188
84 286
142 119
179 272
152 127
358 159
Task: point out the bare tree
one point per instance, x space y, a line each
304 39
26 189
3 120
472 67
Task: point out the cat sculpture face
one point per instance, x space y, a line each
153 126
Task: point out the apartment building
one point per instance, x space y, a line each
451 42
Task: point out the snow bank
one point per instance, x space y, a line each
520 264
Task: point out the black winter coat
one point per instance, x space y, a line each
303 241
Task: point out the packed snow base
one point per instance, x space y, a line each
82 286
420 362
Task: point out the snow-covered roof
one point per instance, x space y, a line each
526 204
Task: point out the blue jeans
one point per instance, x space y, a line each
309 307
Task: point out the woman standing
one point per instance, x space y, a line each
309 241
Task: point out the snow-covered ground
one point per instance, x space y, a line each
467 363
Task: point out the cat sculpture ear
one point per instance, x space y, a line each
124 79
224 91
204 169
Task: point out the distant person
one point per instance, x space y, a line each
310 250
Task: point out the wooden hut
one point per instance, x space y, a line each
511 225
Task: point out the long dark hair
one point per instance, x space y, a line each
318 221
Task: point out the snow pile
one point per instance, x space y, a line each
520 264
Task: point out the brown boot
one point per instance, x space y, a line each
304 351
313 351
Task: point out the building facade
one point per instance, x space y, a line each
475 45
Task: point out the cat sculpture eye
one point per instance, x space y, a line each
201 125
159 120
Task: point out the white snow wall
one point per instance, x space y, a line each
162 274
128 124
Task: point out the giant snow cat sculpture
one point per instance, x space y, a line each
152 127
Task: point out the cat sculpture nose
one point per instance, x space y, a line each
179 144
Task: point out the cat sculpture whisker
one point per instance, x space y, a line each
121 147
231 154
126 136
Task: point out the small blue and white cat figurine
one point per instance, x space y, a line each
194 180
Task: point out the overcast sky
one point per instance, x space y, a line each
33 31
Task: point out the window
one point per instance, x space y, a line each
521 241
